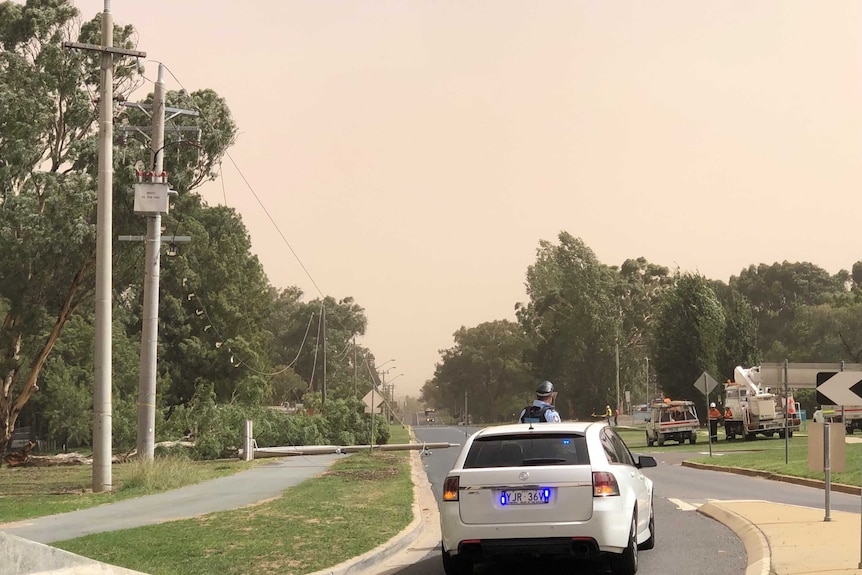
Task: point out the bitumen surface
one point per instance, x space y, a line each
779 539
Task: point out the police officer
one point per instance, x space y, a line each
542 408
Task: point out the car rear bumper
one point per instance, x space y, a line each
607 531
564 547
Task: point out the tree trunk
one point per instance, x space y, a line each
11 407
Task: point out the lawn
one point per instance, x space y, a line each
27 492
762 454
361 502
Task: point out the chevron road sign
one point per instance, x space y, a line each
842 388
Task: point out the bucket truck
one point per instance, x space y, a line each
755 409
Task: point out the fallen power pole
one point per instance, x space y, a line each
261 452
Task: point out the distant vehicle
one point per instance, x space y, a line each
672 421
758 410
640 413
850 416
557 490
430 415
827 413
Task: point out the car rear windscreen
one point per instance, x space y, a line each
527 450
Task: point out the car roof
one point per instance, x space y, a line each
539 428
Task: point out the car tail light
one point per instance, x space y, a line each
605 484
450 488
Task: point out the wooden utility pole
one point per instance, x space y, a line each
102 440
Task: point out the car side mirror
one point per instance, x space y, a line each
645 461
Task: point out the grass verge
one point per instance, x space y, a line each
362 501
27 492
761 454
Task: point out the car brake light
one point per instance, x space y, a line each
605 484
450 488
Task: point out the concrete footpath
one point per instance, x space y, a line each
779 539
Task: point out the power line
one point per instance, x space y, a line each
251 189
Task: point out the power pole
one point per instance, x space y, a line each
150 324
323 319
617 352
102 410
354 366
151 199
647 382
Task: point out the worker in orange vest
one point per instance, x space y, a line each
728 415
714 416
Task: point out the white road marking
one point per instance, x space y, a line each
682 505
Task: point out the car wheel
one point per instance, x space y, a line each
650 543
626 563
456 564
660 439
649 441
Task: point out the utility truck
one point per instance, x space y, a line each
672 421
755 409
849 415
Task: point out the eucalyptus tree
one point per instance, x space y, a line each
215 308
488 364
639 288
48 168
310 335
776 291
739 340
573 319
47 186
688 336
824 334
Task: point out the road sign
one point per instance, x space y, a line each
705 382
842 388
800 375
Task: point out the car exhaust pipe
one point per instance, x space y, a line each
583 549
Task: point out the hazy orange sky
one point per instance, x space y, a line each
414 152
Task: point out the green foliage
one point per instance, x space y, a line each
574 322
777 291
488 365
739 342
217 428
823 333
689 334
298 330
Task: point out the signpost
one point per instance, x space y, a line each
843 388
705 384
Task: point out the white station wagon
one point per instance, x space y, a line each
566 490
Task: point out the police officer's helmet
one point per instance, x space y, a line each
545 389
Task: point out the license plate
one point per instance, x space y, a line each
525 496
